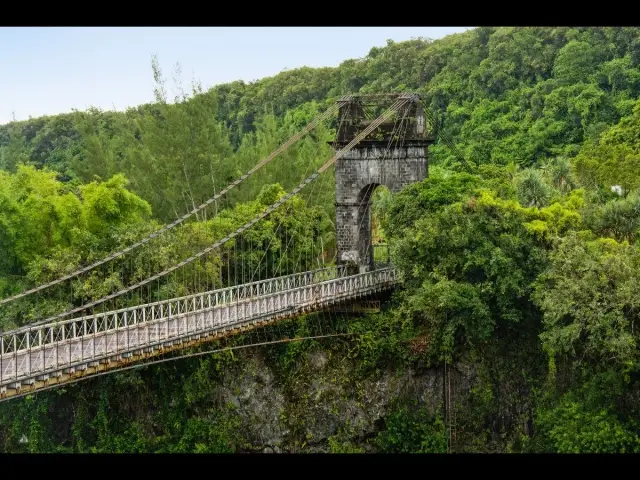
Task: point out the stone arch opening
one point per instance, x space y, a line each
380 199
364 240
372 246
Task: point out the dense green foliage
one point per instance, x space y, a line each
412 430
521 276
484 274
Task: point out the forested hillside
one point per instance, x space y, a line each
520 275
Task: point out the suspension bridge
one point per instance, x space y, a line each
380 140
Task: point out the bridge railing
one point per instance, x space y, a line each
26 366
28 338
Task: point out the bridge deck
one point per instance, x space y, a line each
30 356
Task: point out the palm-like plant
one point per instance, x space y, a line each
533 190
561 174
621 218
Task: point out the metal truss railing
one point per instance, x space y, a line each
33 353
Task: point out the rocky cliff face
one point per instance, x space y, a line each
322 400
303 397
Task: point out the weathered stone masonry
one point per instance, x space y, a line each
370 164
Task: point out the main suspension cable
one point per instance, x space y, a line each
313 124
392 109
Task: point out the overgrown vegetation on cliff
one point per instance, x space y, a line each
521 277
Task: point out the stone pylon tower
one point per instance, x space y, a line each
393 155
